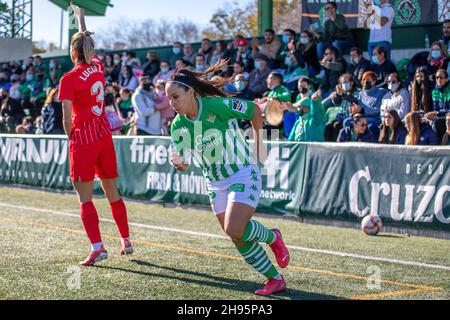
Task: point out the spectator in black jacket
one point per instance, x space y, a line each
52 114
381 66
11 112
358 132
151 67
334 67
358 66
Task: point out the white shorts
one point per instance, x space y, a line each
242 187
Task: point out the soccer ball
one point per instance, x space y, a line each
371 225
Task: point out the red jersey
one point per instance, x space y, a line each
84 85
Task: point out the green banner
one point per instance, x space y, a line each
404 185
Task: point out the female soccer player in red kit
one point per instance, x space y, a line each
91 145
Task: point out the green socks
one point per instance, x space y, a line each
256 232
256 257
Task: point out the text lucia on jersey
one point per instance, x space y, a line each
88 72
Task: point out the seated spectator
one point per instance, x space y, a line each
370 99
421 92
133 60
357 132
334 67
10 112
221 52
20 129
296 69
39 66
117 67
397 98
188 53
200 63
127 78
239 68
109 67
438 58
151 67
445 39
381 66
446 138
441 102
28 63
113 114
242 90
359 65
393 130
28 125
163 106
165 72
379 21
177 53
51 114
288 40
310 124
41 84
258 77
14 92
206 50
183 64
271 46
147 118
419 133
124 103
336 32
244 56
4 82
308 51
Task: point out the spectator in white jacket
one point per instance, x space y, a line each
398 98
147 117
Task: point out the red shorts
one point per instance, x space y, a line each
95 159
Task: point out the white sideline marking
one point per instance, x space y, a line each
210 235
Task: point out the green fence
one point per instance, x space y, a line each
406 186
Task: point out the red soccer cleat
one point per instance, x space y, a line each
94 257
127 247
280 250
272 286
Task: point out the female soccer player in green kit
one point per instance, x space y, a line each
206 129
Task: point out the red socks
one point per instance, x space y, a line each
90 220
119 212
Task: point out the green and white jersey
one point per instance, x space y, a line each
214 138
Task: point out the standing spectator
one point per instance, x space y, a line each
39 93
189 54
441 102
132 60
381 66
258 77
10 112
165 72
109 67
445 39
124 103
14 92
359 65
147 118
127 78
370 99
206 50
421 93
446 138
393 130
397 98
117 67
163 106
52 117
151 67
113 114
438 58
334 67
271 46
177 53
358 132
55 72
419 133
379 21
39 66
336 31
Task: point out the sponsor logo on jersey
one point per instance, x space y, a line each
211 118
239 106
237 187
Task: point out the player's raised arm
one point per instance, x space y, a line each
79 13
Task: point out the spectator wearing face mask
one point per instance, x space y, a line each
188 53
152 65
200 63
308 51
419 132
52 117
357 132
164 74
393 130
242 90
287 41
334 67
127 78
379 21
147 118
117 67
370 99
438 58
381 66
336 31
271 46
296 69
397 98
177 53
258 77
358 66
164 108
446 137
441 102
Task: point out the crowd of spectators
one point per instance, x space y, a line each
327 89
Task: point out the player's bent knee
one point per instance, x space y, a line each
234 233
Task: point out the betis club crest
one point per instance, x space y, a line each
407 12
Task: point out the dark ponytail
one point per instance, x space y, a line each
186 79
